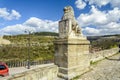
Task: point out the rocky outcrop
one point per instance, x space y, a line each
4 41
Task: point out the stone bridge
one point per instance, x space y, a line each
102 67
72 57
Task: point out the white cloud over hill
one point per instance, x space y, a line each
33 24
95 22
9 15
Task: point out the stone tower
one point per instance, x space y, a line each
71 48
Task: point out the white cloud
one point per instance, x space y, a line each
95 17
113 15
42 25
33 24
98 2
111 26
98 22
80 4
115 3
91 31
14 29
7 15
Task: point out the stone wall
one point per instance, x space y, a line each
96 56
41 73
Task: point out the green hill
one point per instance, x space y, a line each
41 46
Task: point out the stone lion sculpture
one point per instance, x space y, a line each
69 14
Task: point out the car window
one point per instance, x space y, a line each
2 67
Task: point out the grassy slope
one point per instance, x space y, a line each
41 47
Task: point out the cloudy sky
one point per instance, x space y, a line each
95 17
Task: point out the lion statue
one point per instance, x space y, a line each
69 14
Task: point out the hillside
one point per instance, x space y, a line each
91 38
104 42
42 47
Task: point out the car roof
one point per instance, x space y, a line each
2 63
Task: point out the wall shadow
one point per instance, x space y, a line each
112 59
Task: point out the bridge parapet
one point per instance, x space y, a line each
96 56
48 72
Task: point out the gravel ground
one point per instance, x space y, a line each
107 69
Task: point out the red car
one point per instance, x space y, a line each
4 71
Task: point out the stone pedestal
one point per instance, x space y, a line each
71 56
71 48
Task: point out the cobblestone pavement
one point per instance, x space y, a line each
107 69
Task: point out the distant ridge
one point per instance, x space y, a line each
103 36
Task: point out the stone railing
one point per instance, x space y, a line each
41 73
96 56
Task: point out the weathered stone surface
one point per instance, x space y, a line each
72 48
71 56
48 72
94 57
68 26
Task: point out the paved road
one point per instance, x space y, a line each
107 69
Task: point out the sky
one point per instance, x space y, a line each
95 17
